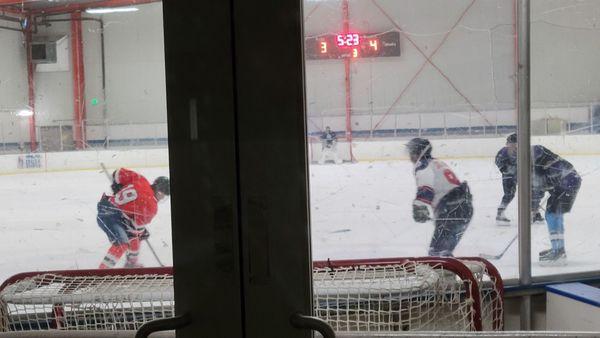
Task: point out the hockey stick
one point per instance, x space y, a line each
106 173
153 252
501 254
111 180
498 256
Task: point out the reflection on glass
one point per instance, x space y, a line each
381 73
564 119
79 90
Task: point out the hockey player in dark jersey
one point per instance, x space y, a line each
557 176
506 161
329 147
438 188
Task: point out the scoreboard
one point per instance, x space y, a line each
352 45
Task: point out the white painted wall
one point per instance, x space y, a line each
54 90
478 58
135 77
565 52
136 85
13 85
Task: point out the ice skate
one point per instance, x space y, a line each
553 257
501 219
132 265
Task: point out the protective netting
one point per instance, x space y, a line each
397 294
50 301
399 297
491 291
425 294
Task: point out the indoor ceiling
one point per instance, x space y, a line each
62 6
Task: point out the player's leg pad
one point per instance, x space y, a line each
113 255
133 253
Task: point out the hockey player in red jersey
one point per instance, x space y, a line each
124 216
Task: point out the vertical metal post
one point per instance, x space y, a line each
496 133
130 138
445 126
79 109
470 125
347 80
31 87
420 124
591 119
60 133
2 136
106 133
84 133
524 155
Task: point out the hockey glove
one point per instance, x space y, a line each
116 187
144 235
420 213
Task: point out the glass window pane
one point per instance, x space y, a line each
80 89
564 119
380 73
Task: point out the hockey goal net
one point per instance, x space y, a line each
397 294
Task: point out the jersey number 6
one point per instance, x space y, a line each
451 177
126 195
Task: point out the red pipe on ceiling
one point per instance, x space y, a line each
76 7
93 4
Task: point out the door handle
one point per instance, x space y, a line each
162 325
301 321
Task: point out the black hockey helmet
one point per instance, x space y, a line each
161 184
512 138
419 147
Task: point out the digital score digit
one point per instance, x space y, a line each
353 45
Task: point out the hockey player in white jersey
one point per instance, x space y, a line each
438 188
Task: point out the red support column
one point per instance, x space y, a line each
31 91
346 29
78 81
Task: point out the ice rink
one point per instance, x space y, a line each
360 210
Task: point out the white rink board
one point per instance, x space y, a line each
394 149
572 307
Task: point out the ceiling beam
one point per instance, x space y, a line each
77 7
21 6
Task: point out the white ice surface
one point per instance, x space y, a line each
362 210
365 210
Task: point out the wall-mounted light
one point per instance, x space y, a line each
25 113
106 10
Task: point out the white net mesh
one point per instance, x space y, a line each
396 295
50 301
406 296
491 290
